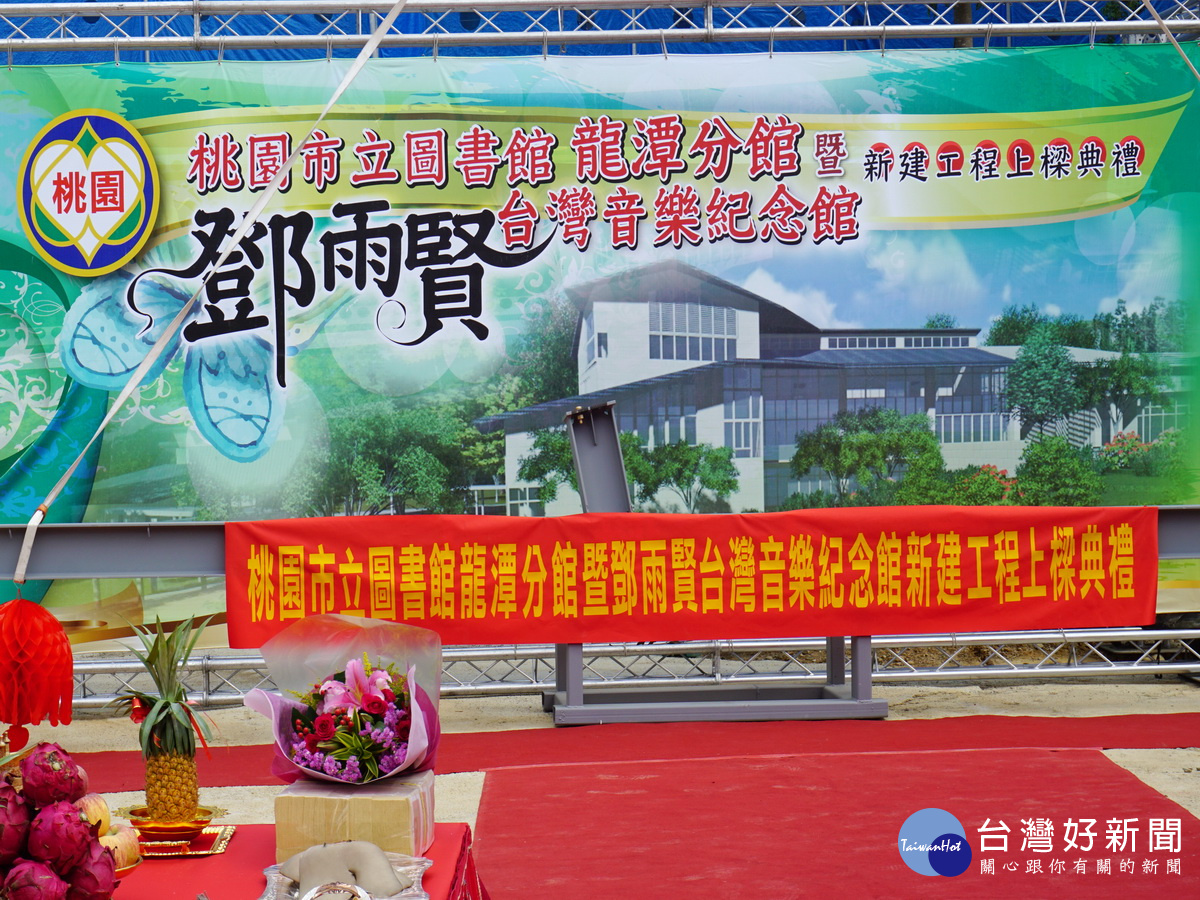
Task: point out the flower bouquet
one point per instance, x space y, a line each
354 726
356 709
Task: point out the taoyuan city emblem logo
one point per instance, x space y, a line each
933 842
88 192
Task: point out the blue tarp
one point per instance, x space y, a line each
467 22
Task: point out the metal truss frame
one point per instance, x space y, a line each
211 28
222 680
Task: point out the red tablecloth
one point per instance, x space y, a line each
237 874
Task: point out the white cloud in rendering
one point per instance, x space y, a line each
813 305
931 273
1152 263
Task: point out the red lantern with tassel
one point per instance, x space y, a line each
36 669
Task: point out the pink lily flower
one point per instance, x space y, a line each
358 684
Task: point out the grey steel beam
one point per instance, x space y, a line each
1179 532
151 549
117 550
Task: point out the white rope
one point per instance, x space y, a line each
231 244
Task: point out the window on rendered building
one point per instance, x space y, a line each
743 417
595 342
692 331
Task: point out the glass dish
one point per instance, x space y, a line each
411 867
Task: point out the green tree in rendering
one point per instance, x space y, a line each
387 459
1041 381
1016 325
1120 388
904 439
1158 328
549 463
1053 473
941 320
483 454
691 472
864 446
544 360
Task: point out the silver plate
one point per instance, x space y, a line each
411 867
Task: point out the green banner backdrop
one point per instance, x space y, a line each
845 279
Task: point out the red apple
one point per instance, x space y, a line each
123 842
95 807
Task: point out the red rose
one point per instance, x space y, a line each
374 704
388 695
324 727
138 710
310 742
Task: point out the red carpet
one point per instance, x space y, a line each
814 825
697 740
124 770
231 766
785 810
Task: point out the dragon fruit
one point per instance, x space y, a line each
15 816
49 775
32 880
95 878
59 836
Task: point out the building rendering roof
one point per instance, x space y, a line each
553 412
670 278
891 357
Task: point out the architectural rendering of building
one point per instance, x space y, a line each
687 356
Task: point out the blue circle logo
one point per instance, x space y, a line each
933 842
88 194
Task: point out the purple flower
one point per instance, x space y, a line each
309 760
393 759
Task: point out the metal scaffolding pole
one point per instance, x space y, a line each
211 29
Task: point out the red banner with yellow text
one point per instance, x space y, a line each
642 576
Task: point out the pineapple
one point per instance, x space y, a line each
169 729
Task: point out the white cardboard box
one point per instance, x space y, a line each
396 814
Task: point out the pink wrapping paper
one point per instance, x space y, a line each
313 649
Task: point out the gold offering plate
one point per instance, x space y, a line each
150 831
199 846
125 870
